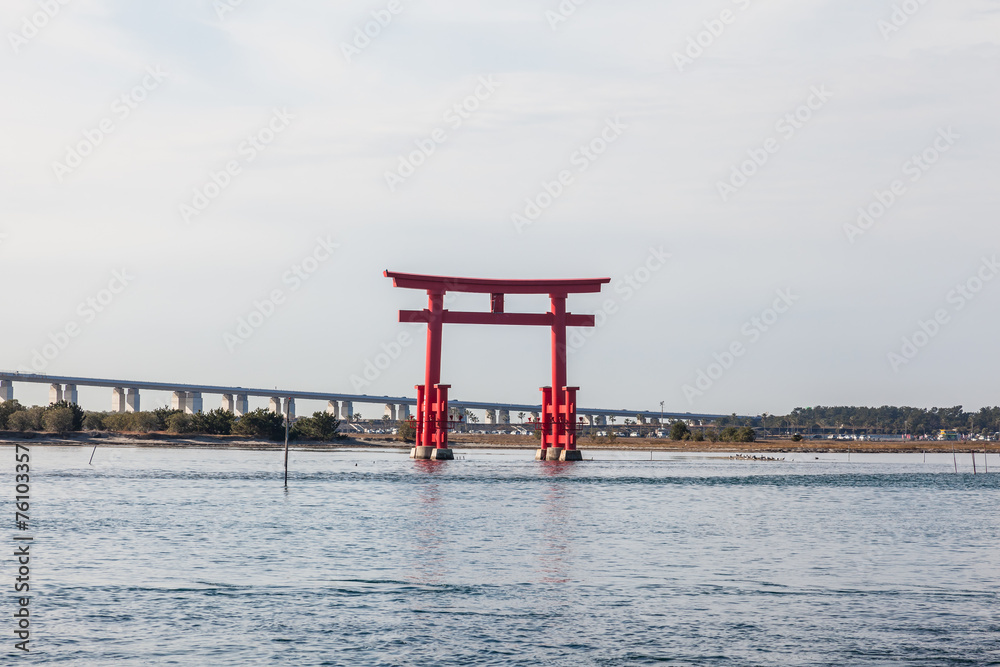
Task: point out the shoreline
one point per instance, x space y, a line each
527 443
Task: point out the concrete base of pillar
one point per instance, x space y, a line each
571 455
553 453
540 454
432 453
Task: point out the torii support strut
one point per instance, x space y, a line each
558 421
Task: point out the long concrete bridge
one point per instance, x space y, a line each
189 398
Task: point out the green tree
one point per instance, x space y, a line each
261 423
180 423
162 415
7 408
215 422
321 426
93 421
58 419
145 422
75 409
118 422
408 430
678 430
20 421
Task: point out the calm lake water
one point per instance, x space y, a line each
195 557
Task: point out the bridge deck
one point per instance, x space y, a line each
320 396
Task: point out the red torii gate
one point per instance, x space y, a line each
558 417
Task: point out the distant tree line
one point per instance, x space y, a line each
679 431
887 419
63 417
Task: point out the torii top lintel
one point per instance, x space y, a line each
442 284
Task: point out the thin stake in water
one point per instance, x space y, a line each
91 461
287 410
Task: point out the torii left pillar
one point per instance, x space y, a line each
432 398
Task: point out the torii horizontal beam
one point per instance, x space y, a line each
489 286
517 319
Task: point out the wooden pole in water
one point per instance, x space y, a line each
973 452
286 440
954 459
986 462
91 461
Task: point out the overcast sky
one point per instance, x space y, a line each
710 158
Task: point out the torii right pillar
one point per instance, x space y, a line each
558 427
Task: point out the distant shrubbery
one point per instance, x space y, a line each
63 417
59 417
680 431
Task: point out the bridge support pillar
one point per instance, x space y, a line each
179 401
491 416
55 393
332 408
70 395
118 400
6 391
227 402
275 405
403 412
503 417
289 409
390 411
193 403
132 400
241 407
347 411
